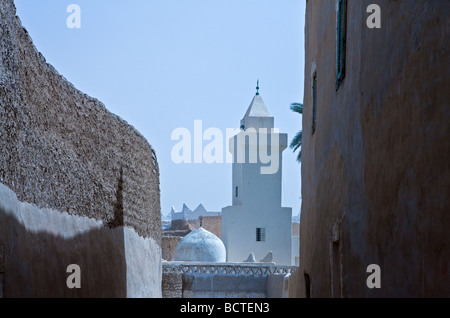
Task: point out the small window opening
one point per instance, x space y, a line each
260 234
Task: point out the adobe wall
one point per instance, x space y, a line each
63 151
212 224
169 246
375 175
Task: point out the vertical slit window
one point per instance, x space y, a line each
314 103
341 40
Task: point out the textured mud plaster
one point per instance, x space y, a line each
91 179
64 150
375 174
169 246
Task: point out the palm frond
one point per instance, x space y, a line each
296 141
297 107
299 157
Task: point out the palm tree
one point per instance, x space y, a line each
296 143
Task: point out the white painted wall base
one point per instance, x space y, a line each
41 243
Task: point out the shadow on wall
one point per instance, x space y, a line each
118 208
35 264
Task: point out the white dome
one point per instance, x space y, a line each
200 246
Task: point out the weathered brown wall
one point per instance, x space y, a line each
212 224
63 150
169 246
377 168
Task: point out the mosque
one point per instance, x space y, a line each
201 246
254 255
255 226
256 222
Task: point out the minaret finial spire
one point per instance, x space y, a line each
257 87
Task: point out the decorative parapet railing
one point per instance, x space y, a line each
233 269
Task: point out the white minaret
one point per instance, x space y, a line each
256 222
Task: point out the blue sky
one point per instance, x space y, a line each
160 65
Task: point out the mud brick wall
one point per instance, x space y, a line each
62 149
375 174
